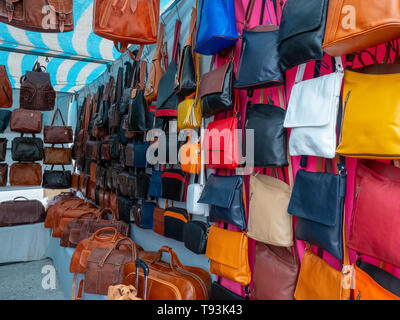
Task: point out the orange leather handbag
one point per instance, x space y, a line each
190 158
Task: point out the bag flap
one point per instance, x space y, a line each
62 6
39 79
223 246
213 81
220 190
294 12
220 133
325 209
314 102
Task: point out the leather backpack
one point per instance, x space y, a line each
6 97
36 91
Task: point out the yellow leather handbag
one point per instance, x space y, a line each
371 114
228 254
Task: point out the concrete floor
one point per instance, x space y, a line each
23 281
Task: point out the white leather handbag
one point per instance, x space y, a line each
312 113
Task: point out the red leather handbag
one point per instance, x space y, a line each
375 220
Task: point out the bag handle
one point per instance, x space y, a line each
106 230
20 197
107 211
58 111
174 261
116 246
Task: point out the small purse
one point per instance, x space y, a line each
57 134
174 223
195 236
173 184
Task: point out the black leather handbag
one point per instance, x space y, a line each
5 117
219 292
3 148
125 206
114 142
259 59
27 149
270 137
173 184
101 176
195 236
302 32
109 178
174 223
132 186
224 194
317 201
216 90
142 185
57 179
168 99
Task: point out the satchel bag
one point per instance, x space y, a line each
319 220
57 134
36 91
6 97
195 235
375 24
228 254
225 196
123 183
25 174
301 32
5 116
29 15
155 184
373 227
57 156
129 155
75 181
312 114
259 59
3 174
173 184
57 179
26 121
27 149
174 223
373 283
17 212
214 37
216 90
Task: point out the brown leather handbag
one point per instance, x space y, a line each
17 212
57 156
25 174
75 181
83 183
26 121
3 174
158 217
91 191
51 16
113 203
6 97
70 234
36 91
170 280
93 167
57 134
61 197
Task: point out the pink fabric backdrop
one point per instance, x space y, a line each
269 18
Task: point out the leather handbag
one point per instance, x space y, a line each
373 283
270 136
91 150
83 183
57 209
228 254
3 174
174 222
173 184
144 215
140 154
314 129
5 116
155 184
142 185
25 174
259 59
359 111
195 236
101 176
6 97
373 227
36 91
190 158
301 32
129 155
46 16
91 191
26 121
105 150
156 71
57 134
158 224
216 90
123 185
224 194
21 211
57 179
269 221
320 220
114 112
375 24
125 206
71 233
27 149
275 273
219 292
213 37
57 156
113 21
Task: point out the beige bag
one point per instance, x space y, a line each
269 221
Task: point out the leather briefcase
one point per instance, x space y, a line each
6 97
25 174
57 134
26 121
56 156
23 211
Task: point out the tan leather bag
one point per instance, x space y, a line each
6 97
56 208
353 25
57 155
25 174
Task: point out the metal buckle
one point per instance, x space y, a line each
62 16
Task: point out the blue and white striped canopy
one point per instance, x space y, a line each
19 49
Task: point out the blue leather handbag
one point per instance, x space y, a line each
318 201
216 26
146 216
155 184
225 195
139 154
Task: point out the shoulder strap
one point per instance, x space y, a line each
119 88
175 47
142 79
193 20
160 41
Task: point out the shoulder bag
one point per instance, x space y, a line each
174 222
57 134
158 224
155 184
195 234
173 184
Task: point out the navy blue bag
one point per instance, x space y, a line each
139 154
216 26
155 184
146 216
318 201
5 116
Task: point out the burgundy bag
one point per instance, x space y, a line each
58 134
71 233
17 212
26 121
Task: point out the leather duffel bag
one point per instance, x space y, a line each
27 149
26 121
54 209
24 211
57 156
60 197
25 174
57 179
71 233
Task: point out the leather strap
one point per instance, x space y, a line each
57 111
119 86
142 78
192 28
80 288
175 47
158 54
